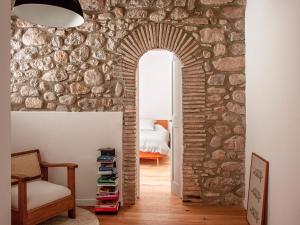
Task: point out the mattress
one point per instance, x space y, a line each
155 141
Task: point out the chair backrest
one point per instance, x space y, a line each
26 163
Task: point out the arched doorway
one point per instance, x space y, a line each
159 125
181 43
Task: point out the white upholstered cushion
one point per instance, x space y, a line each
39 193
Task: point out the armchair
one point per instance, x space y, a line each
34 198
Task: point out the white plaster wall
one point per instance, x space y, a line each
70 137
4 114
273 101
155 85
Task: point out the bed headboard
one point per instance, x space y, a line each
164 123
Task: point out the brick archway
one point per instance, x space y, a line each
181 43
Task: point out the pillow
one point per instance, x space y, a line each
146 124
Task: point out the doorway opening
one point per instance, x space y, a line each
160 139
165 36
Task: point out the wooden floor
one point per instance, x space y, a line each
155 180
157 206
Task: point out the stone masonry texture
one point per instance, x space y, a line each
92 68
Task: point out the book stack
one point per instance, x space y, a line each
107 183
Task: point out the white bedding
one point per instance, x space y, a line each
156 140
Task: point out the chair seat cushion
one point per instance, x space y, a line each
39 193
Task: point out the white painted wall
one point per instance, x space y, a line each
155 85
4 114
273 101
70 137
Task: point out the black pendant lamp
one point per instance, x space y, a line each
52 13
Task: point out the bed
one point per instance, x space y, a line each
154 140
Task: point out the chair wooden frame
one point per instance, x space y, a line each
22 216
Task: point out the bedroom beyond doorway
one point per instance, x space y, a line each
159 124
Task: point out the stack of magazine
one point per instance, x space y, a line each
107 182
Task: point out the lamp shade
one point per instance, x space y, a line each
53 13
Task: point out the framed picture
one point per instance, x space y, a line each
257 193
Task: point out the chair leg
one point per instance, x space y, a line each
157 161
72 213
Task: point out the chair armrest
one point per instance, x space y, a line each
70 170
16 178
68 165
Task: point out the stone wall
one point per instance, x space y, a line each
91 68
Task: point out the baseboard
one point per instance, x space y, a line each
85 202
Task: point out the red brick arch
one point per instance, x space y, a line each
180 42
